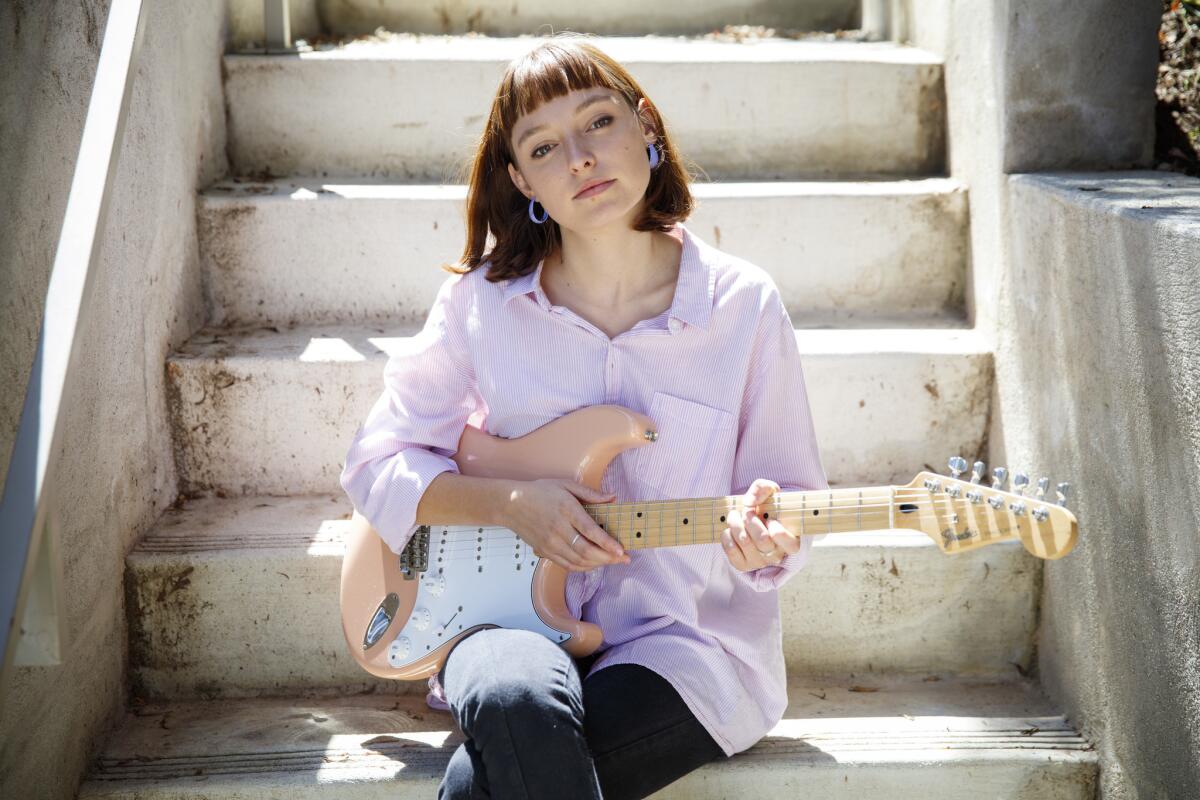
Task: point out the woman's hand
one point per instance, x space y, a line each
748 543
548 516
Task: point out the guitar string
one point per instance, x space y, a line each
463 543
458 554
835 509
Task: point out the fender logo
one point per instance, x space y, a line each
950 536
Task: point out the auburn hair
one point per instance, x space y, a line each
556 67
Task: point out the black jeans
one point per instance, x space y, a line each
535 730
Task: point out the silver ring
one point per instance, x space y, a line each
575 540
769 553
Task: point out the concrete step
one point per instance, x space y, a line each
952 739
316 251
273 410
504 18
237 597
767 110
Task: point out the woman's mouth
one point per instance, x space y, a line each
597 189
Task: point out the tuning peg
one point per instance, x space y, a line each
977 472
1062 493
958 465
999 475
1043 485
1019 482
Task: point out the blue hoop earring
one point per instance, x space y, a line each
654 159
545 213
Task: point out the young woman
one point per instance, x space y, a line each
594 292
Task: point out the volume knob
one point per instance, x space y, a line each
398 651
420 619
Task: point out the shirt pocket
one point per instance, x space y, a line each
693 455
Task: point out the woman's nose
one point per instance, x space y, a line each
580 155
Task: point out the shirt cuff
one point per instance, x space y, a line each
416 469
773 576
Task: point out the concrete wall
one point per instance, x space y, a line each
116 470
1041 86
1100 385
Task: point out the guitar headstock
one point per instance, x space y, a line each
962 513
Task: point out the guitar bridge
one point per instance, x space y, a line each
414 558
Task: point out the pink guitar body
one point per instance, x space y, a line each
403 626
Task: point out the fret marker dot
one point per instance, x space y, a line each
685 520
639 534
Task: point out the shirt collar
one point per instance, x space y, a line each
694 290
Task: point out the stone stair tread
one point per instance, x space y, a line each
345 746
853 105
322 250
237 597
626 49
229 384
355 342
314 522
364 188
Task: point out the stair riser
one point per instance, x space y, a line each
249 621
315 253
394 118
276 424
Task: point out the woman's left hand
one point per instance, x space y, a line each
750 544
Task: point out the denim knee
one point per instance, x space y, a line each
512 676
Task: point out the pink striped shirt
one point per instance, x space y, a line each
719 372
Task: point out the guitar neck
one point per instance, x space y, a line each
701 520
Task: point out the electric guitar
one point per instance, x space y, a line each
401 614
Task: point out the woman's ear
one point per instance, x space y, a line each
646 118
519 181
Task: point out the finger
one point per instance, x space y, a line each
745 542
589 553
760 492
784 539
758 534
733 552
597 537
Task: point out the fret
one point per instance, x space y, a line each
695 516
830 512
860 527
892 510
803 510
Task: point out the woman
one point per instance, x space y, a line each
594 292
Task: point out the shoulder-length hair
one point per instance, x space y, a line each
554 68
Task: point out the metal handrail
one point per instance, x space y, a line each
31 587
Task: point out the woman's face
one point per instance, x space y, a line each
573 140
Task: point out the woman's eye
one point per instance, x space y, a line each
538 150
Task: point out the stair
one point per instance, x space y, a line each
227 386
909 669
952 739
230 597
380 108
318 251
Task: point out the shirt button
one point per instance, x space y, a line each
673 325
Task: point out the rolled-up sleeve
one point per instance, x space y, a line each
414 427
776 438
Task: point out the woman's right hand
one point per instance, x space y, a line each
548 514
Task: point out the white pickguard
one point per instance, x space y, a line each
476 576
